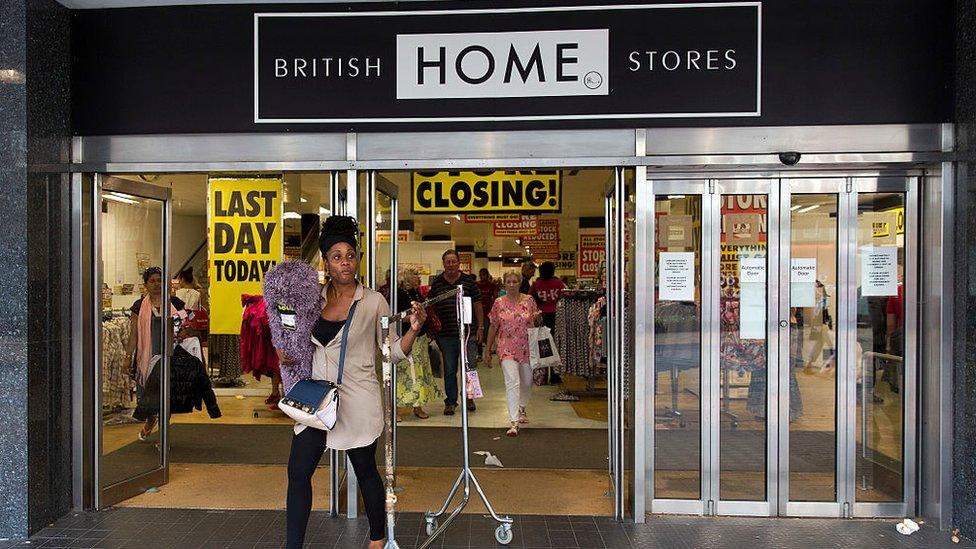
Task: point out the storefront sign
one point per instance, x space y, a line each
660 60
490 218
879 271
566 262
384 236
676 231
466 260
546 239
526 227
880 228
743 229
591 253
677 276
530 191
246 240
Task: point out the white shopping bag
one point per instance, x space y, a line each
542 348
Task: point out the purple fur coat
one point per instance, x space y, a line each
293 286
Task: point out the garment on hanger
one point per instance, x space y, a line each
258 355
224 352
118 387
190 386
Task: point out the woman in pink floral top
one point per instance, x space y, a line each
511 317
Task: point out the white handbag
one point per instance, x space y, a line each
315 402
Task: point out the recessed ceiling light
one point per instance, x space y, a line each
293 215
808 208
447 221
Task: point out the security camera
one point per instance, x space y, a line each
790 158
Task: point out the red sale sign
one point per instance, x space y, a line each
592 252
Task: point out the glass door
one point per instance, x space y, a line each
815 257
783 346
741 304
134 337
882 327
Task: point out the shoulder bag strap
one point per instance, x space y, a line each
345 338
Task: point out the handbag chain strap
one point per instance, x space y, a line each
345 338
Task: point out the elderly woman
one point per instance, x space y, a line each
360 420
415 380
511 316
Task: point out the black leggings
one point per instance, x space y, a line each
306 451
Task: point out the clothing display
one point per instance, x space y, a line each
190 386
224 353
574 334
118 387
258 356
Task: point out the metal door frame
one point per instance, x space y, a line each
718 189
615 198
780 188
110 495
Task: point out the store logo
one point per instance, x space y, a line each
502 64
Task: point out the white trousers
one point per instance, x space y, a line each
518 385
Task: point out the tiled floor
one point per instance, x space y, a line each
184 528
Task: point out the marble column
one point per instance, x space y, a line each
964 352
35 207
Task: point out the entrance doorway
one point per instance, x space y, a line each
579 435
783 345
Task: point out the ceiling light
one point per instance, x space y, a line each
304 200
119 199
447 221
324 211
808 208
293 215
675 196
458 217
795 207
379 218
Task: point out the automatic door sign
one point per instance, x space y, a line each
487 191
803 282
246 240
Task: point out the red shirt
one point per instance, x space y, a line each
489 291
896 306
548 292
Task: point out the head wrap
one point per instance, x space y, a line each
338 228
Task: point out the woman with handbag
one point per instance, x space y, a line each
415 385
348 327
511 317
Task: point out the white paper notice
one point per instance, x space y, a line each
803 282
879 271
752 297
677 276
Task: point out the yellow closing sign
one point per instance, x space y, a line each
528 191
246 240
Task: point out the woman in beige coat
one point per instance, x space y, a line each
360 419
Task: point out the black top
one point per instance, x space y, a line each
446 309
327 330
404 297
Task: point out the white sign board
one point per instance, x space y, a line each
803 282
677 276
752 298
879 271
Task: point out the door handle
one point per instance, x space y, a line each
784 324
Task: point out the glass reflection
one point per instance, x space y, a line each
813 344
743 355
132 336
880 349
677 353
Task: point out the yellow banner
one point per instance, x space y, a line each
246 240
530 191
